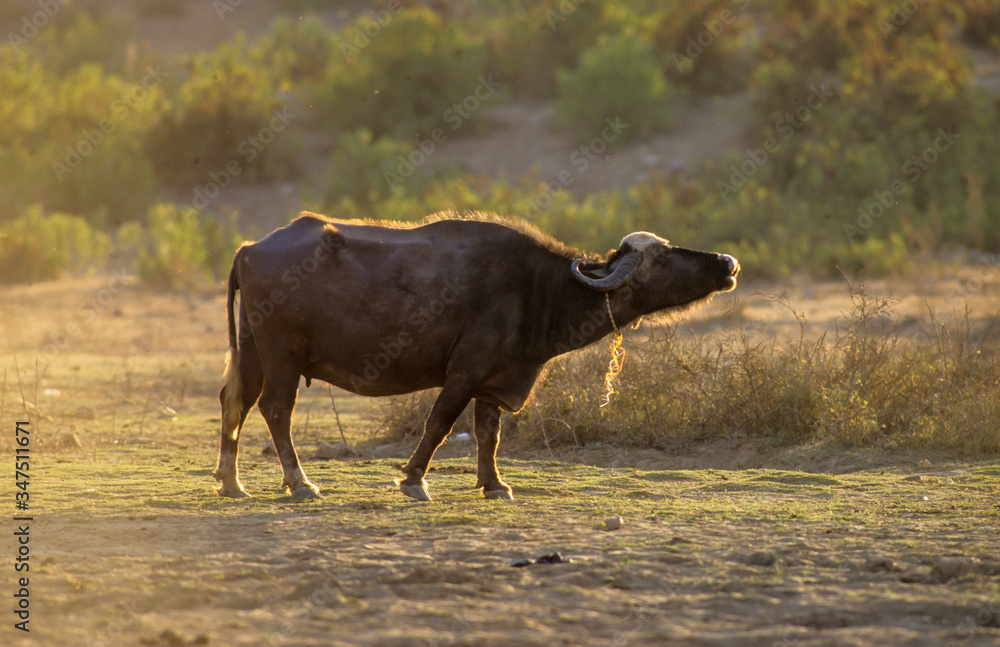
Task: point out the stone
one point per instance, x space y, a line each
334 450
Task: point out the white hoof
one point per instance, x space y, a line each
417 491
233 492
305 491
505 495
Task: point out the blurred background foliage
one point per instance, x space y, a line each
105 144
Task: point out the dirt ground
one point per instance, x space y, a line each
709 560
130 546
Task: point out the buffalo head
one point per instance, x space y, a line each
657 276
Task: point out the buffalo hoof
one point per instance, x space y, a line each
505 495
417 491
233 492
306 491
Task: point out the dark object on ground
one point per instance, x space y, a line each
551 558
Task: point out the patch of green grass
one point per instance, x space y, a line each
154 481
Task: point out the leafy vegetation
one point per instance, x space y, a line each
38 246
181 248
866 139
619 77
408 77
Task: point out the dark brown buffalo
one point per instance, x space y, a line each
470 305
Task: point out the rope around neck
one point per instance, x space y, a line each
617 360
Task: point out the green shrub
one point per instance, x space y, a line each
366 171
297 50
79 37
904 137
73 143
981 25
40 246
406 77
618 78
709 45
227 114
182 247
528 41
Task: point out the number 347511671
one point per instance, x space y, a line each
22 464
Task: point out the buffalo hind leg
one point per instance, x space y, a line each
276 405
449 405
244 380
487 438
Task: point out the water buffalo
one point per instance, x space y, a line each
475 305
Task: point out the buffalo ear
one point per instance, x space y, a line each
331 239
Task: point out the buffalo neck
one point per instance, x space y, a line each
567 315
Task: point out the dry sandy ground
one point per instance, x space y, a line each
337 575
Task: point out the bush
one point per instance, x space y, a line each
403 80
297 50
40 246
981 25
182 247
618 78
365 171
710 45
72 143
528 41
227 113
904 138
83 37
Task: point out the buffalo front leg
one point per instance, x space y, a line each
487 440
449 405
276 405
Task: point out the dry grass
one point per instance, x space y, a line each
875 381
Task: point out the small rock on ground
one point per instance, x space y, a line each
334 450
613 523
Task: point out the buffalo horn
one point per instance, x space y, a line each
626 267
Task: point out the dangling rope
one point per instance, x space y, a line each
617 360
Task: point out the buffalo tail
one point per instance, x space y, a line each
232 405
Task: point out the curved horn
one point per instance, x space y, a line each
626 267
